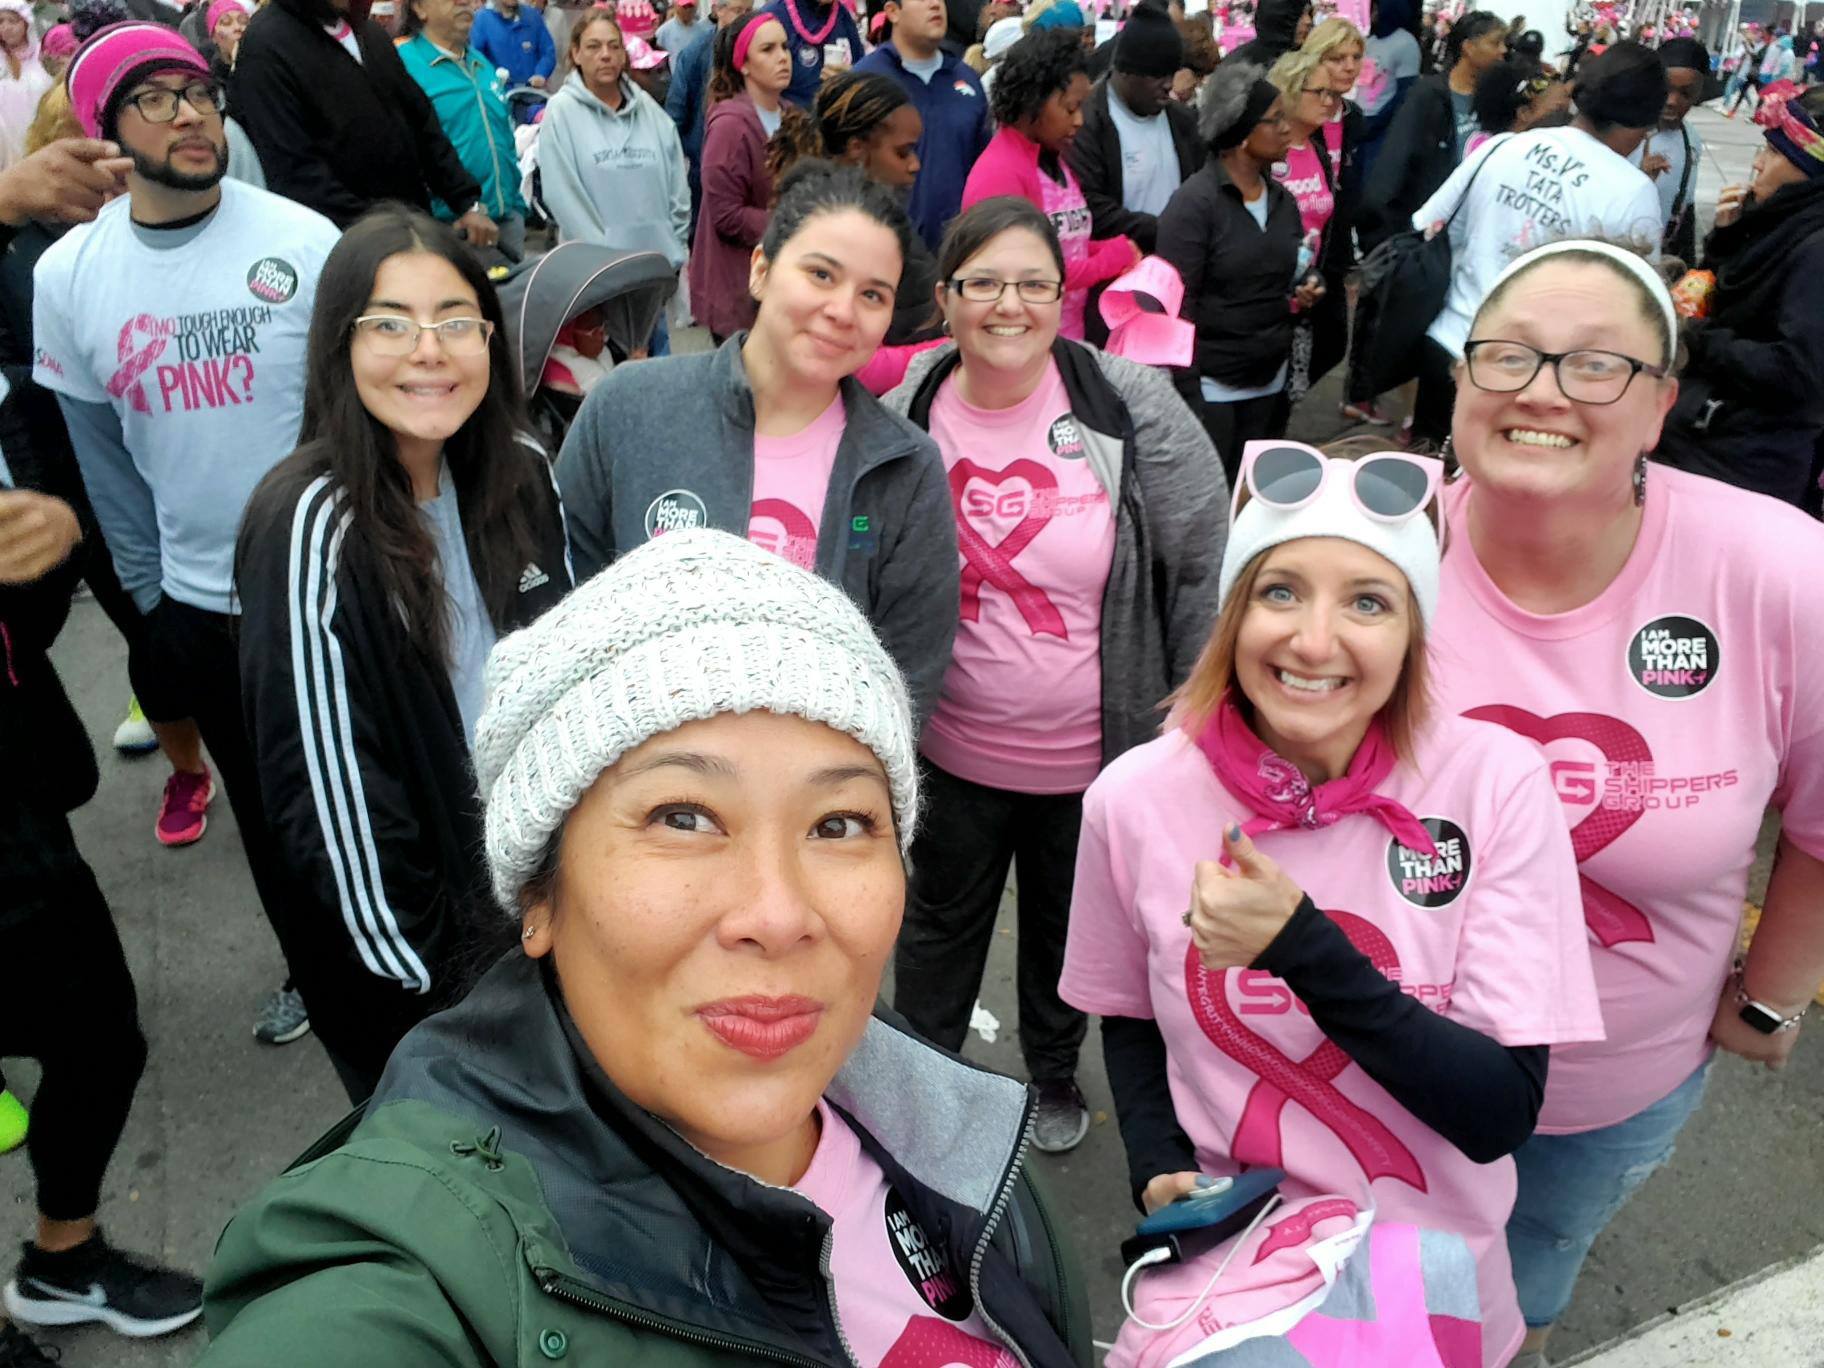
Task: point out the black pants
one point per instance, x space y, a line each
67 1000
1233 425
198 648
161 699
1431 414
357 1016
970 834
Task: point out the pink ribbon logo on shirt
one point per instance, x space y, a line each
137 359
1613 920
798 540
928 1342
1310 1082
993 561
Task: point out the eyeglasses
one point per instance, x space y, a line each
159 104
1388 486
1324 93
1584 377
988 290
391 335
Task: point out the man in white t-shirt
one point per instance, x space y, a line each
1519 191
172 330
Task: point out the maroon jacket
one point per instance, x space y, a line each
737 195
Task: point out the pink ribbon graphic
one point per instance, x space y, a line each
928 1342
1612 919
1297 1228
994 562
799 544
1310 1082
135 361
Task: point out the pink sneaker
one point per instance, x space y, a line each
183 814
1365 413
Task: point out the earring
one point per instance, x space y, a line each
528 933
1640 479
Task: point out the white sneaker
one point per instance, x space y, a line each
134 735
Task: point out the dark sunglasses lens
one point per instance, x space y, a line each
1284 475
1390 488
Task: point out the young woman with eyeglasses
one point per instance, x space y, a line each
415 522
1089 513
1660 637
1381 939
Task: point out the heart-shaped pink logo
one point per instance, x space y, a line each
977 512
1612 920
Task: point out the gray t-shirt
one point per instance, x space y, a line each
1464 110
1149 159
471 630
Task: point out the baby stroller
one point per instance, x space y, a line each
625 290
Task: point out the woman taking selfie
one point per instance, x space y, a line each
770 436
665 1128
1038 102
1660 635
1089 510
376 565
1235 237
609 161
748 75
1382 938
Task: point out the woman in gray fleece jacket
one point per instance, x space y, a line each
770 436
1091 513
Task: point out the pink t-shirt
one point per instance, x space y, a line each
1673 709
1303 177
898 1301
1021 706
1488 935
1333 139
1068 211
791 476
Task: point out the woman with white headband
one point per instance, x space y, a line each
1660 636
1382 938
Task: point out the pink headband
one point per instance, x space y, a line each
118 55
745 39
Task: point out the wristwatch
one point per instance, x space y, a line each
1758 1014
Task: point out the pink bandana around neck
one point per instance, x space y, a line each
1283 799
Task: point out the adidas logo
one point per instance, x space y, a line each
531 578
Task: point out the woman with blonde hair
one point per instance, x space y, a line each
1309 175
1382 943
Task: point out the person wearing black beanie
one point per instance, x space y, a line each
1671 153
1523 189
1137 145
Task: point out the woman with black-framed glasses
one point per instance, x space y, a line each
1089 517
377 563
1660 637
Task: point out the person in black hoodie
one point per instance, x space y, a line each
1137 144
338 122
1234 234
1279 26
375 566
1750 407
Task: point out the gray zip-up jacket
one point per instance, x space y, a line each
1171 503
670 443
614 177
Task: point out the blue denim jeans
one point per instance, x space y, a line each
1572 1186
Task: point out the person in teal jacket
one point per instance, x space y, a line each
472 108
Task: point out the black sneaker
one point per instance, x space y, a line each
97 1282
1062 1118
20 1350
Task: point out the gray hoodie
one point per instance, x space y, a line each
670 443
614 177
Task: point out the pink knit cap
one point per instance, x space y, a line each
213 15
59 41
115 58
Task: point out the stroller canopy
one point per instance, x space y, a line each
538 299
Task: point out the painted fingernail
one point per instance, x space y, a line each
1205 1181
1234 831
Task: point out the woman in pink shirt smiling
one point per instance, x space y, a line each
1382 940
1089 513
1038 101
1660 637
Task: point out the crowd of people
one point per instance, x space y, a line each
1388 804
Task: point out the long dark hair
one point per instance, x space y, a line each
339 438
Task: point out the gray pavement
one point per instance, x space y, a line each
218 1114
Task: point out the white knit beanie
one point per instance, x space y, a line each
690 625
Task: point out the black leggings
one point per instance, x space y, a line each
1437 401
158 698
67 1000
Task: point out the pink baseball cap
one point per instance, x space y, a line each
117 57
642 55
636 18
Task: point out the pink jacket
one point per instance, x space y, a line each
1009 165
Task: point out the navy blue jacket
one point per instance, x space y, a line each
689 90
955 112
807 58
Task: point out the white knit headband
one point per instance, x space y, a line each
1634 265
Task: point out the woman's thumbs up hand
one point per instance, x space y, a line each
1237 911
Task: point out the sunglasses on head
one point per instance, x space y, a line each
1388 486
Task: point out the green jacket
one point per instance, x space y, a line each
501 1202
473 111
